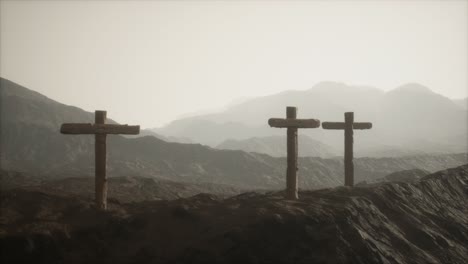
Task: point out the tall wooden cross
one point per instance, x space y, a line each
100 129
349 125
292 124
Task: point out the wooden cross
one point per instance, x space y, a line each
349 125
100 129
292 124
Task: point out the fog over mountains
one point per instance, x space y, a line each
200 198
276 146
408 120
157 132
31 144
462 103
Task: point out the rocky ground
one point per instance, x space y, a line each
125 189
412 175
420 222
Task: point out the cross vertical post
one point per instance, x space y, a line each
100 183
348 152
291 171
292 124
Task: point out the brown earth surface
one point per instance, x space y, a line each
421 222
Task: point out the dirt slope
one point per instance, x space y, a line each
421 222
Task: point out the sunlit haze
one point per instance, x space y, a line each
150 62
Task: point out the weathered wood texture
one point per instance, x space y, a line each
100 163
348 126
77 129
100 130
362 125
293 123
348 151
341 125
291 171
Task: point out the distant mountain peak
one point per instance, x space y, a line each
340 86
463 103
10 88
412 88
327 85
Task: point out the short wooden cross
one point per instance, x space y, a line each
292 124
348 126
100 129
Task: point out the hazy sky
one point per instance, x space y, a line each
149 62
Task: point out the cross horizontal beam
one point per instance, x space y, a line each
341 125
294 123
76 128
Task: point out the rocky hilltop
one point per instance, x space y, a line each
421 222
